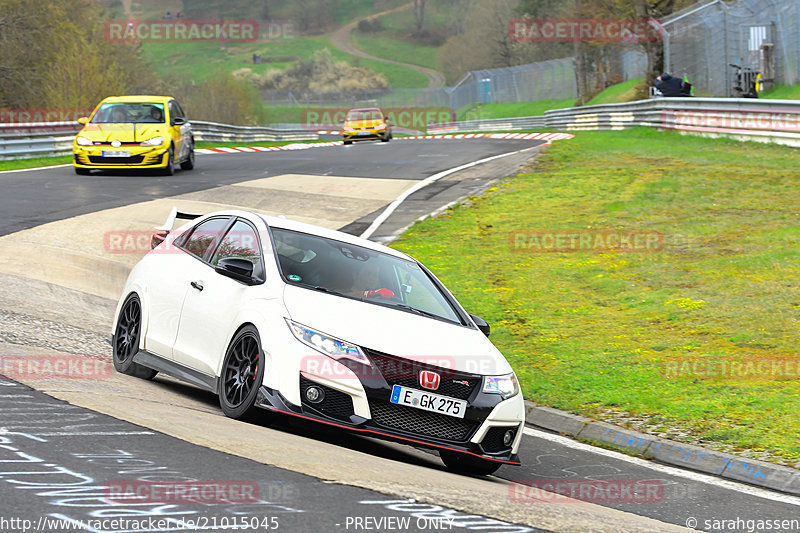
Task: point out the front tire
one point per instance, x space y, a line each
188 163
169 170
241 374
461 463
126 340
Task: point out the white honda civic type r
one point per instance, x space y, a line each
279 316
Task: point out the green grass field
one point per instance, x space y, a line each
782 92
397 41
597 333
35 162
621 92
393 44
521 109
198 61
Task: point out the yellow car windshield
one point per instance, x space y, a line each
126 112
357 116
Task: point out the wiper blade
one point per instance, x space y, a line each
326 289
418 311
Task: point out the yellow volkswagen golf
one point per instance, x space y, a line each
366 124
147 132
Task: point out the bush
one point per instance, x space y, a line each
372 25
321 74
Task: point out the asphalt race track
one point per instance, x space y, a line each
64 442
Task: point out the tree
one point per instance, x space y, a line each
419 14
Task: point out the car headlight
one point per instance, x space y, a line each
348 128
325 344
155 141
380 127
506 386
83 141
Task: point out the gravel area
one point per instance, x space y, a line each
27 330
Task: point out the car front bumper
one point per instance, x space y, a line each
140 157
365 135
360 403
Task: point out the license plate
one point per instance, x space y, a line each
116 153
428 401
364 133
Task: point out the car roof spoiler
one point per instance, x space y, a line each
173 214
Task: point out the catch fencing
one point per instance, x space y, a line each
705 39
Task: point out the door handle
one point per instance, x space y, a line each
197 285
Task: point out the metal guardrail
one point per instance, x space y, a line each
775 121
47 139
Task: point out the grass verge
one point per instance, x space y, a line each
19 164
621 92
636 337
521 109
782 92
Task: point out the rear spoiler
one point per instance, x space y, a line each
163 230
173 214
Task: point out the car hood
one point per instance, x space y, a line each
126 132
396 332
363 123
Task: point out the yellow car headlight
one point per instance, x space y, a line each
380 127
82 141
155 141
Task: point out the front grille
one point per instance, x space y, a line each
336 404
493 440
100 160
404 372
422 422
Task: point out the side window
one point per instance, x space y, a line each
241 241
178 109
204 236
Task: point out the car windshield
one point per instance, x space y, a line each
127 112
355 272
362 114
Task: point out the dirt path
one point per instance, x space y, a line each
341 40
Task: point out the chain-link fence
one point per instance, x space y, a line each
705 39
545 80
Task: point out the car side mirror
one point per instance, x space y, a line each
386 119
236 268
482 324
178 121
83 120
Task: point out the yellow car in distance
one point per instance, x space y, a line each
143 132
366 124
